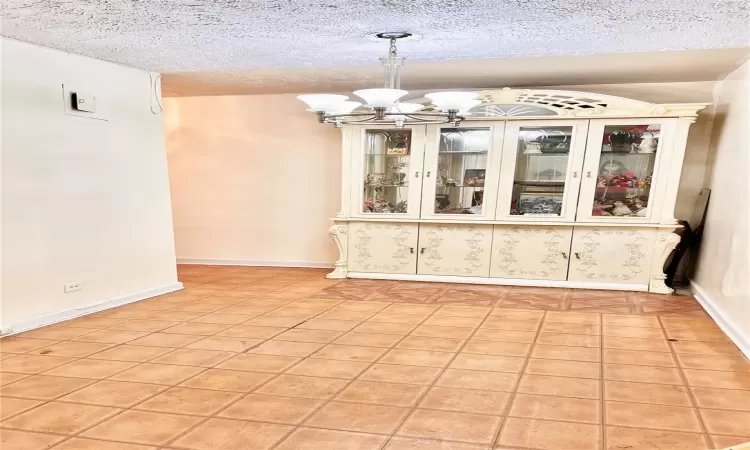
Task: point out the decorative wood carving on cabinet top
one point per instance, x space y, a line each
551 104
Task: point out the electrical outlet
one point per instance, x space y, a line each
74 286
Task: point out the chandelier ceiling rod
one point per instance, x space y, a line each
384 107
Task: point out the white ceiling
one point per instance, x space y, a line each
213 35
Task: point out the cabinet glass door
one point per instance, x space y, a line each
621 170
461 172
541 168
390 172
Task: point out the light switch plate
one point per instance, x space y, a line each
83 102
74 286
101 110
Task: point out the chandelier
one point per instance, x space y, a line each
383 106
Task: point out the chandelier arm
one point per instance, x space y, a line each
335 120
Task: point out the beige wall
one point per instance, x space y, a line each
82 199
723 270
256 177
253 178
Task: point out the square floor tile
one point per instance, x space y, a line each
166 340
426 358
566 317
315 439
457 311
443 331
15 344
571 328
638 357
114 393
111 336
306 387
350 353
706 348
139 427
286 348
404 443
401 329
328 368
358 417
7 378
158 373
453 321
181 400
474 379
227 344
497 348
643 374
717 379
556 408
72 349
728 441
630 321
252 331
32 363
392 394
466 400
710 362
549 435
524 337
575 369
488 362
393 373
12 406
503 323
134 353
24 440
572 340
517 314
227 380
559 386
194 357
452 426
714 335
199 329
306 335
368 339
92 444
43 387
627 343
620 438
90 368
328 324
56 332
226 434
430 343
61 418
633 332
269 408
647 393
722 398
590 354
259 363
726 422
641 415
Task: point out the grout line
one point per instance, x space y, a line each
512 398
691 398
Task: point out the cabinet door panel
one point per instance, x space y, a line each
540 173
460 250
539 253
462 169
624 170
612 254
387 172
383 247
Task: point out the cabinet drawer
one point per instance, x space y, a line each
383 247
539 253
460 250
615 255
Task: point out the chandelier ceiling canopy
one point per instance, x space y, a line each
382 104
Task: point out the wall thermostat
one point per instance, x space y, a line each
83 102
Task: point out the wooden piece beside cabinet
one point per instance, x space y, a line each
536 188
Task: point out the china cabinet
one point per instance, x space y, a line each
535 187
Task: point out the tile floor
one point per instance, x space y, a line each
270 358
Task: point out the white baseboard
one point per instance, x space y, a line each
255 263
501 281
728 324
49 319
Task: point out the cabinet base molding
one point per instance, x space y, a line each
502 281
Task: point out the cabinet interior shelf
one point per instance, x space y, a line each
461 186
539 183
385 155
387 185
468 152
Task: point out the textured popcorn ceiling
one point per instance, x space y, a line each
211 35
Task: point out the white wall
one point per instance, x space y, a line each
723 272
82 199
253 178
256 178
